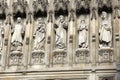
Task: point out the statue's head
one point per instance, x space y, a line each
19 20
61 19
104 15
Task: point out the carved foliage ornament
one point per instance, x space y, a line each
40 5
61 4
105 55
82 56
60 57
82 3
38 57
20 6
106 3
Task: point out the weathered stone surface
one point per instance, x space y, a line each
59 39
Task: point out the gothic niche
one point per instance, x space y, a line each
39 33
105 5
3 9
40 8
18 32
61 7
17 41
82 31
82 52
60 29
39 38
82 6
105 38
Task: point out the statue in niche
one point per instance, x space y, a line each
82 34
1 37
60 31
105 31
39 35
17 38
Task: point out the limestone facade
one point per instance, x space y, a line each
59 39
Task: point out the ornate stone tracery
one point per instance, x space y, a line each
40 5
20 6
51 35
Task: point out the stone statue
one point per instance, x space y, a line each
82 34
17 40
60 31
39 35
105 31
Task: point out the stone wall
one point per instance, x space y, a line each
59 39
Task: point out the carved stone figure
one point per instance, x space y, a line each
82 34
60 37
17 40
39 35
105 31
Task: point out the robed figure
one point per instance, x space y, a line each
17 32
82 34
39 35
60 33
105 31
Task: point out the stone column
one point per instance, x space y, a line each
94 37
31 31
49 40
27 47
71 27
116 35
6 46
